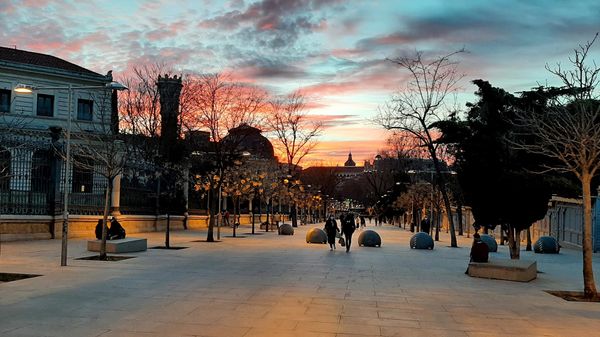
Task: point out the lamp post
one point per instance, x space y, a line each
28 89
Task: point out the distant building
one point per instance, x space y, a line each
349 162
249 139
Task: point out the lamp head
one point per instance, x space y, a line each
24 88
116 86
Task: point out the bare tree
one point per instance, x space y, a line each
295 133
416 108
10 126
568 133
97 149
220 105
405 145
293 130
139 108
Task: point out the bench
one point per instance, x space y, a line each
127 245
504 269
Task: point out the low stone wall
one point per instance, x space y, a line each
18 227
33 227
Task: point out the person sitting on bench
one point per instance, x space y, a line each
116 231
99 230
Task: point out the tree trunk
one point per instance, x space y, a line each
294 216
460 219
435 222
252 215
589 285
528 247
442 186
211 218
269 207
168 231
514 240
105 219
235 209
517 244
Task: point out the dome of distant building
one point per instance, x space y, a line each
250 139
350 162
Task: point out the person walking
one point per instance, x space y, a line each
348 227
226 218
425 225
363 223
331 229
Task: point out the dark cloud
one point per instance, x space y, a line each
275 23
269 68
485 26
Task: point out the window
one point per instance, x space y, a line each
84 109
83 175
4 100
45 105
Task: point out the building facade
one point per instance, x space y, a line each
33 138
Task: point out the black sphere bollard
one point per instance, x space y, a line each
490 242
316 235
421 240
546 245
369 238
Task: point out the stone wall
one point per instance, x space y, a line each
16 228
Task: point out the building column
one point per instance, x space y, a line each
115 197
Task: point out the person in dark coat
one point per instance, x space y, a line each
348 227
479 250
331 229
425 225
99 230
116 231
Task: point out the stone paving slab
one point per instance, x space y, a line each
271 285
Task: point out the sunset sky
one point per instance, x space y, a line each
333 50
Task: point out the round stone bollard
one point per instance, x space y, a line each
286 229
421 240
316 235
369 238
490 242
546 245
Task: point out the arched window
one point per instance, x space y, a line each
40 171
4 169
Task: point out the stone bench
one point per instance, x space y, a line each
127 245
504 269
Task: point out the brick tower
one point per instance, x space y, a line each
169 89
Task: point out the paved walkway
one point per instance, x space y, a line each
270 285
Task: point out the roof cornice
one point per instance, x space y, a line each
53 71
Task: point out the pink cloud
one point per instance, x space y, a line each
167 31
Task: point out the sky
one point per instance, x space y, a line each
334 51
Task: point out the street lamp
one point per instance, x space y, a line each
28 89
